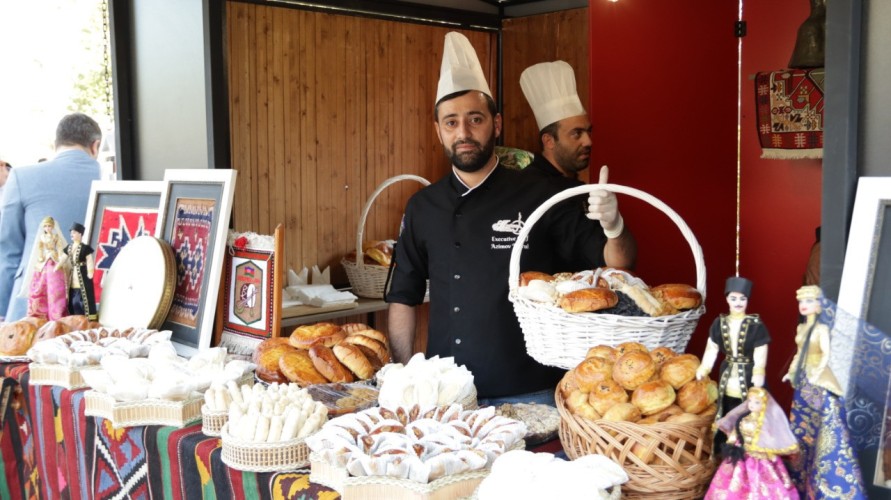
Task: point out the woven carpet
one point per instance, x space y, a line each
789 106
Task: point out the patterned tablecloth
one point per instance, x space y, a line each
50 449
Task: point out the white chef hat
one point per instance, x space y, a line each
461 68
550 89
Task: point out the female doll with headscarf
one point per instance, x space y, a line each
46 280
826 466
758 435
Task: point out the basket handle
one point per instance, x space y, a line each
360 262
514 274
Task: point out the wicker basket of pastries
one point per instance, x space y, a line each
367 267
559 326
17 337
647 412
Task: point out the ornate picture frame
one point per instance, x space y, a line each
117 212
196 206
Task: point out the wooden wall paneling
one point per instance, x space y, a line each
530 40
306 231
280 128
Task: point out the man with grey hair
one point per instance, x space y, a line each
59 188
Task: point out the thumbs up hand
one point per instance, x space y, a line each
603 206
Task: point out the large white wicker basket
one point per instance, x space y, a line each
557 338
369 280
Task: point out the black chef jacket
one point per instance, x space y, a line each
463 244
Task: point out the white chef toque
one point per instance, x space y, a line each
461 68
550 89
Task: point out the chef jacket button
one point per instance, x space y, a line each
458 214
457 341
457 244
457 309
457 276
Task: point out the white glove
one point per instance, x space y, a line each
603 206
758 380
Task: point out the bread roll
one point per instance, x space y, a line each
371 333
605 395
577 403
351 328
626 347
645 452
304 336
370 356
297 367
588 300
34 320
353 358
633 369
266 357
380 350
603 351
568 384
326 363
381 252
671 410
645 300
679 296
528 276
653 397
710 411
76 322
684 418
695 396
16 338
679 370
622 412
591 372
660 354
51 330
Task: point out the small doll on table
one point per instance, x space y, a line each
758 435
743 339
826 466
46 277
81 298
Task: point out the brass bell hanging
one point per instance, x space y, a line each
811 40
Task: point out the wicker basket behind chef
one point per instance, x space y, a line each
555 337
681 465
369 280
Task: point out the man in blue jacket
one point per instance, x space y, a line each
59 188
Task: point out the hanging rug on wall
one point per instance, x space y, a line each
789 105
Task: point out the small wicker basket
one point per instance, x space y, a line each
557 338
369 280
144 412
679 461
212 422
63 376
252 456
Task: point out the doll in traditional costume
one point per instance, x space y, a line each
826 466
46 279
758 436
81 298
743 339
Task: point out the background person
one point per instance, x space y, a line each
59 188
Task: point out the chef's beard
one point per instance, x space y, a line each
471 161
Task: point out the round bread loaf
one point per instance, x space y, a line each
591 372
380 350
626 347
296 365
266 357
304 336
653 397
353 358
528 276
51 330
326 363
76 322
371 333
605 395
695 396
588 300
679 296
633 369
622 412
679 370
661 354
16 338
603 351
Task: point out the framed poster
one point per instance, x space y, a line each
118 212
250 296
194 218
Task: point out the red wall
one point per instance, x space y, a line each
664 108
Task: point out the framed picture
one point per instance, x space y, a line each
194 218
251 292
866 373
117 212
